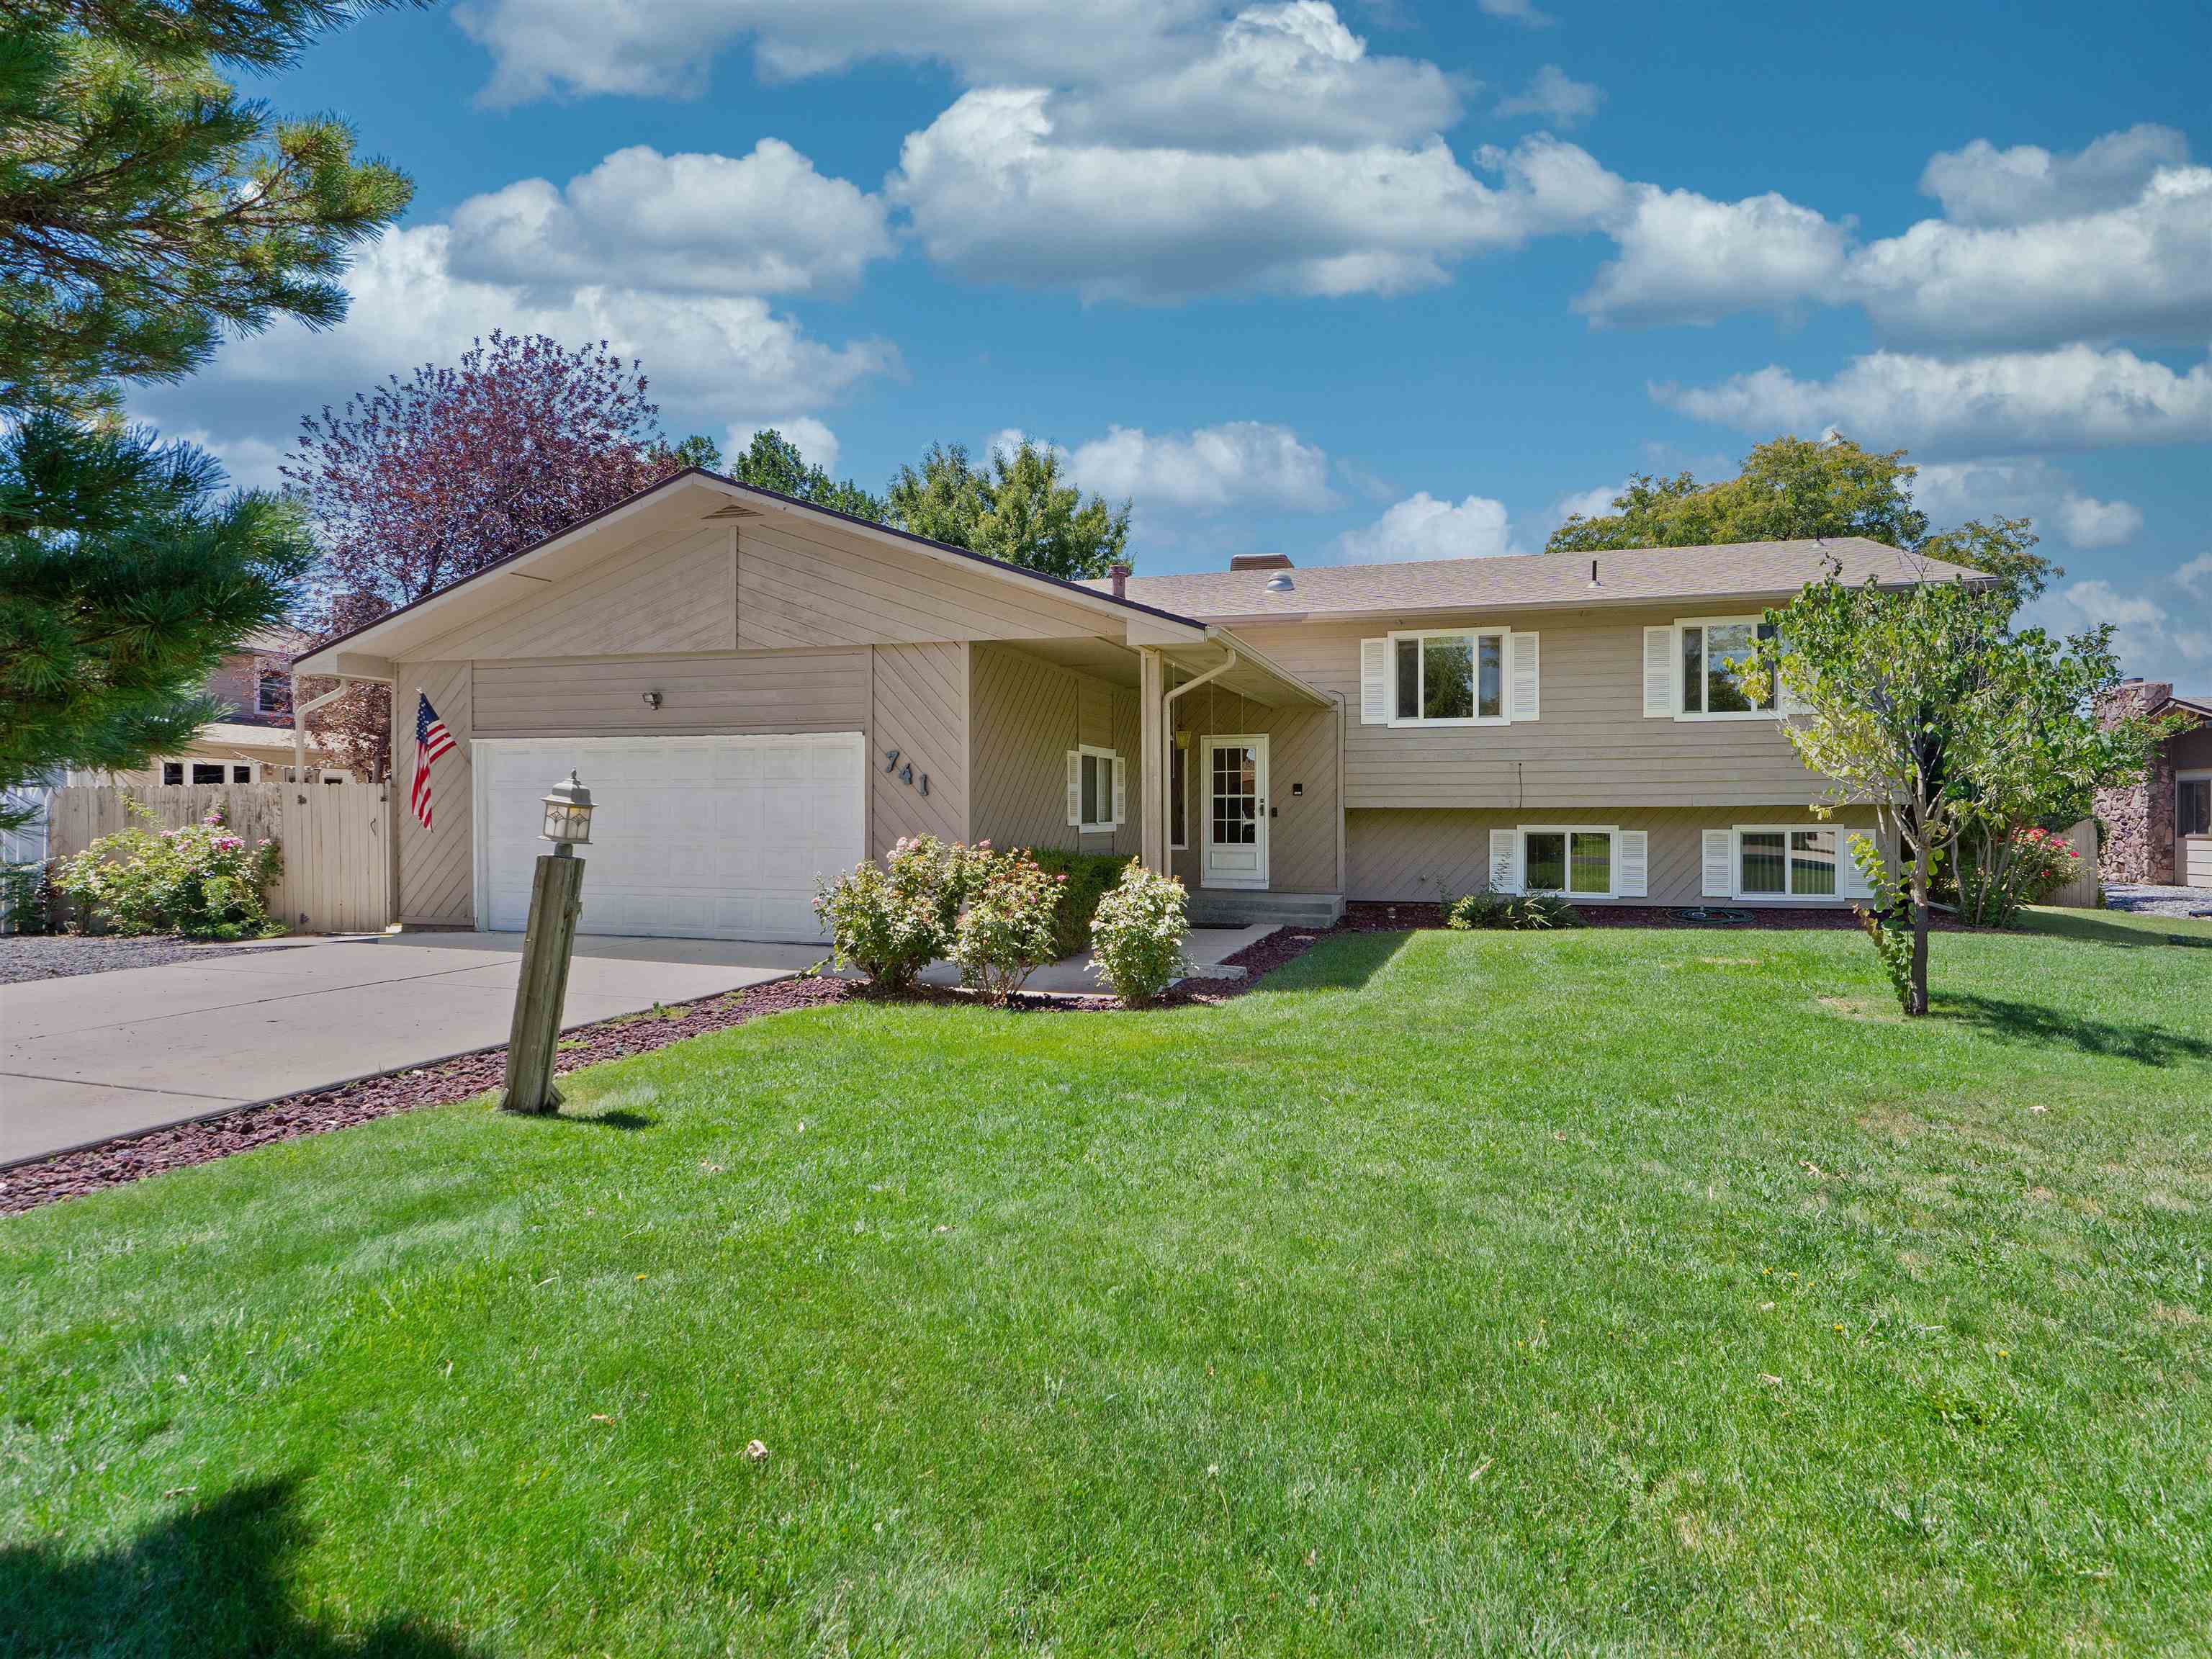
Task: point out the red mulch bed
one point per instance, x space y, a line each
114 1162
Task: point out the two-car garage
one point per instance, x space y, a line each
698 837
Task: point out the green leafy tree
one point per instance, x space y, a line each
145 207
1794 488
1923 703
698 450
1019 508
772 461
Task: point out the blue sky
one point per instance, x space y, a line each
1352 281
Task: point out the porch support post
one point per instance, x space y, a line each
1151 768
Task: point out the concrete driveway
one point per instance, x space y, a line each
100 1054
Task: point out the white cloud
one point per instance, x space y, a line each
815 441
1516 11
1236 464
2074 397
1423 527
1687 258
2139 269
708 357
1555 98
541 47
766 222
2164 633
2196 577
1982 184
2086 522
998 194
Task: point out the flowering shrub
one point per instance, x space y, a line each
2028 869
1137 934
1515 912
1006 932
201 881
891 921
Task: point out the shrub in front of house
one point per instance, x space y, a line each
1089 876
201 882
1515 912
1007 931
891 921
1138 932
1991 889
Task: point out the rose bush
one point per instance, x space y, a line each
891 921
1007 933
1137 934
201 882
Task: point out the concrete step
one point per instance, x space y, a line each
1214 906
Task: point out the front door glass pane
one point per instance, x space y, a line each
1763 869
1236 798
1592 871
1448 679
1547 862
1812 862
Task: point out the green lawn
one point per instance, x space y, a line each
1615 1291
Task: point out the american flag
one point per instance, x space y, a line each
431 740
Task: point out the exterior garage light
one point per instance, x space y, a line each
569 816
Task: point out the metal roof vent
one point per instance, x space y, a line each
1281 582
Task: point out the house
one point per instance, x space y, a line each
251 743
2158 830
759 692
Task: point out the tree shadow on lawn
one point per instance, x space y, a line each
210 1580
1336 961
2025 1021
2161 932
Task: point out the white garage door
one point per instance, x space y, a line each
691 837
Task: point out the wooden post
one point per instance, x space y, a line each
555 900
1153 759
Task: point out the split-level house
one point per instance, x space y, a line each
760 692
250 741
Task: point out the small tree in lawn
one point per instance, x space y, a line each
1922 703
422 482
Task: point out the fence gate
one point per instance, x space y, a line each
336 839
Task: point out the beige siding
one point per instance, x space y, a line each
1301 751
1592 746
726 694
436 866
1418 856
676 591
814 585
1025 715
920 708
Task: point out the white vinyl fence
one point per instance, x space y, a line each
337 842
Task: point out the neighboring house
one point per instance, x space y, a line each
252 741
760 692
2159 829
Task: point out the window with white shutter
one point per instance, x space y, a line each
1720 864
1075 788
1375 683
1659 673
1504 860
1523 651
1098 791
1632 863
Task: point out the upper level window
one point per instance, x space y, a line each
1712 654
1449 678
272 691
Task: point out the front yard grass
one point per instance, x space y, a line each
1634 1291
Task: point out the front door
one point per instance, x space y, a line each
1236 788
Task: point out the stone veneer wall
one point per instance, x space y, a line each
2139 817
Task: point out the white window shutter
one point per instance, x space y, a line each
1720 864
1074 788
1121 792
1522 655
1374 682
1850 884
1659 673
1632 858
1504 860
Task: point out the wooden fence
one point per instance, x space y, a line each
2081 893
336 839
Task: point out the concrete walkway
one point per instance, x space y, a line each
100 1054
1071 976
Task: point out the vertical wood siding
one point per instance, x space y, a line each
1025 716
1300 749
920 709
674 591
1414 855
437 876
1592 746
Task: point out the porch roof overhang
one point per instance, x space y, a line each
1250 673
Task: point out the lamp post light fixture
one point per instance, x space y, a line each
555 901
569 816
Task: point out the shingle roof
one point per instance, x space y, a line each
1643 575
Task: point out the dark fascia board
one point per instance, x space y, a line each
999 567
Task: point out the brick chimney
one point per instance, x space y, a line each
1120 573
